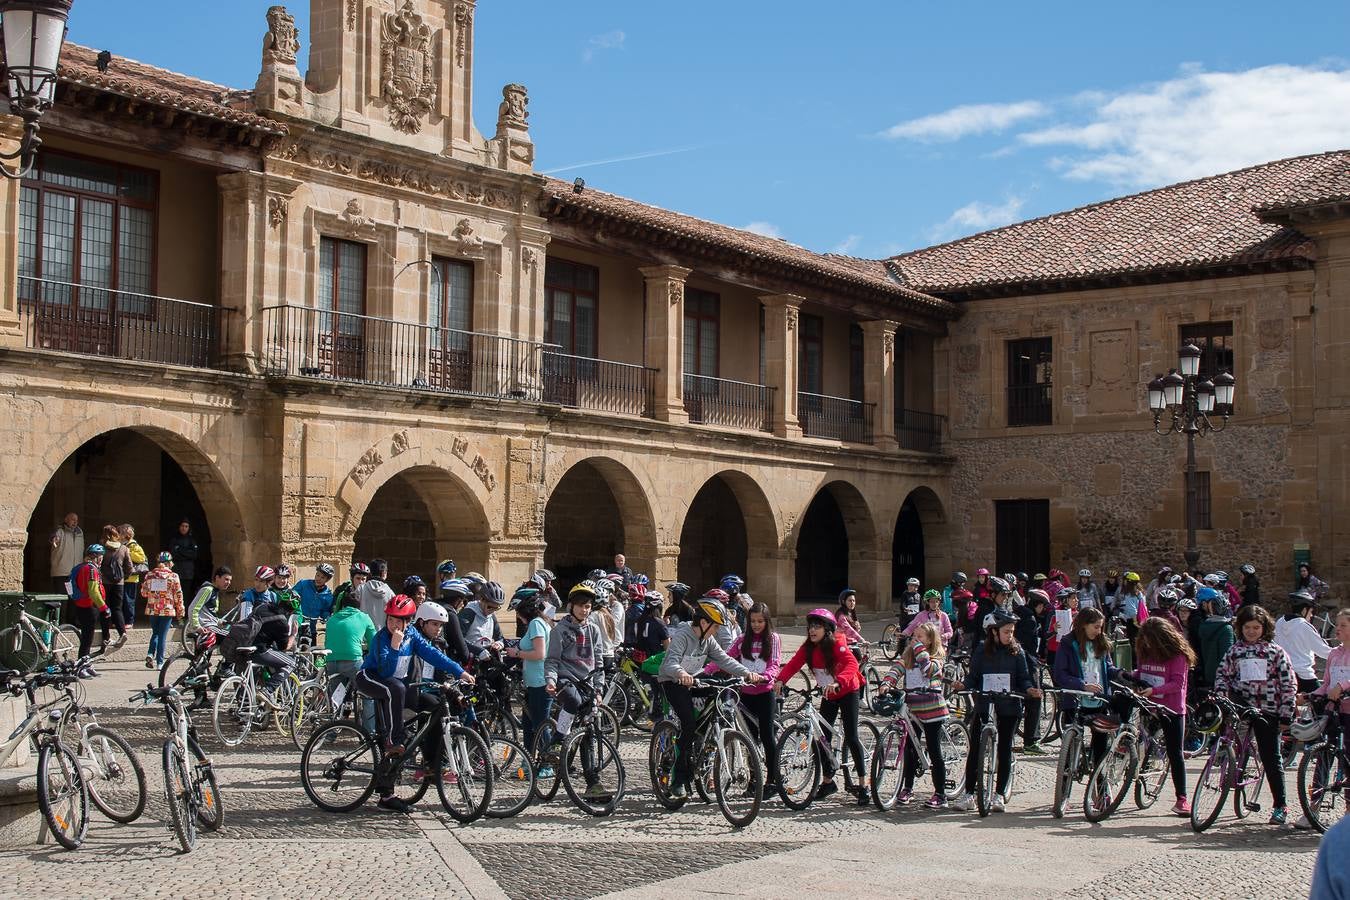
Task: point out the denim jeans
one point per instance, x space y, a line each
537 703
341 672
159 637
130 592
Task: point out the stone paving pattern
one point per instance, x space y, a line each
276 844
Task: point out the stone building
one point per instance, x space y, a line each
326 318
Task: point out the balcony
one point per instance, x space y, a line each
97 321
313 343
584 382
735 404
835 417
1029 404
920 431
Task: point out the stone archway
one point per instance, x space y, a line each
596 509
920 547
418 516
729 527
835 542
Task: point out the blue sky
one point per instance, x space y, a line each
866 128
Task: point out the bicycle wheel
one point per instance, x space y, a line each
498 722
873 687
737 778
178 791
546 762
798 767
113 773
1066 770
63 796
988 783
795 703
66 643
288 699
890 641
210 809
465 796
234 711
512 778
888 765
338 766
1110 779
19 650
1247 782
1321 791
609 723
869 736
604 784
619 701
955 751
313 710
661 753
1154 769
1211 790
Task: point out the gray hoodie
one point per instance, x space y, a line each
573 650
688 654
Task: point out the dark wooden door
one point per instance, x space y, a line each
1022 535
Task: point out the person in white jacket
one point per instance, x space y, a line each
1296 635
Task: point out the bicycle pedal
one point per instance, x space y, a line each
1253 807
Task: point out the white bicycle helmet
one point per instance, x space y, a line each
431 611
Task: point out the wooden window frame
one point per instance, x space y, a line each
816 323
574 292
699 318
1036 411
857 362
1203 335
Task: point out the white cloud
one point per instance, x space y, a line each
1202 123
978 216
960 121
610 40
847 245
767 229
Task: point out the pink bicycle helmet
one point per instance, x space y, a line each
979 572
824 616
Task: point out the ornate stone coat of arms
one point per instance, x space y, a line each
406 81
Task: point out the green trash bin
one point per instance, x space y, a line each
18 650
10 602
1123 653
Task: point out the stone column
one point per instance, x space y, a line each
780 360
879 376
249 220
771 576
665 338
666 567
869 573
11 332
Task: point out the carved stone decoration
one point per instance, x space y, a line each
888 342
469 243
1272 334
366 466
352 217
282 41
277 207
513 112
399 444
967 358
463 16
792 319
351 15
529 258
676 293
407 82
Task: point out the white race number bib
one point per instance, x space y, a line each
1338 675
1253 669
758 666
159 584
1063 621
1156 681
824 678
401 667
998 684
916 679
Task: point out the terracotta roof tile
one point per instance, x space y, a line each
129 78
864 273
1187 227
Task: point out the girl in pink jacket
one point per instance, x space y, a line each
1165 658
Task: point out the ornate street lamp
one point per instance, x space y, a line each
1189 403
32 33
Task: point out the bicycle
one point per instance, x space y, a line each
1136 756
590 748
33 643
802 744
342 762
1073 765
187 636
986 788
111 769
888 761
955 670
63 795
1324 775
240 706
627 692
893 641
725 762
312 705
194 670
190 788
1226 770
871 676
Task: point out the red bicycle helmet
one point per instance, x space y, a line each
264 573
400 606
717 594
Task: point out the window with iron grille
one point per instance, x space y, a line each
571 304
90 223
1215 340
1203 519
702 318
1029 382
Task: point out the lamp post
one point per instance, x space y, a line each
1189 402
32 33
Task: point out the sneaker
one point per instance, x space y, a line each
1302 823
864 796
121 641
1182 807
965 804
937 801
997 804
450 778
545 772
905 797
596 792
826 789
87 671
1034 749
394 804
149 662
1278 816
391 749
679 792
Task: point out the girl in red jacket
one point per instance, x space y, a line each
836 671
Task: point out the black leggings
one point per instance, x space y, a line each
1173 730
763 709
84 620
389 695
1007 729
932 732
829 711
682 704
116 620
1266 730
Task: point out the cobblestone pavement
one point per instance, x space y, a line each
276 844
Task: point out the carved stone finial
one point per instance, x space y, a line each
514 109
463 18
352 217
282 41
407 81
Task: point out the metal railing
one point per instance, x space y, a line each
920 431
1029 404
584 382
721 401
835 417
317 343
99 321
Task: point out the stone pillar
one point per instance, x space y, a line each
771 576
879 376
666 567
250 219
510 562
780 360
665 338
869 573
11 333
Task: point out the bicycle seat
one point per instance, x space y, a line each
245 650
53 604
158 693
320 652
